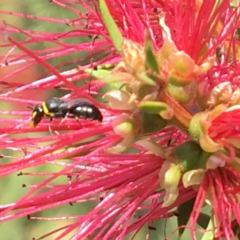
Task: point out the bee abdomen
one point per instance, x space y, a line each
85 110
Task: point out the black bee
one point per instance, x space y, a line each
57 108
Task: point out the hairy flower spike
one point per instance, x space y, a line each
163 77
179 66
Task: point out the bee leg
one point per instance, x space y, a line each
65 117
77 119
50 128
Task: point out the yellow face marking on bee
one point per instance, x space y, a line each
31 124
34 114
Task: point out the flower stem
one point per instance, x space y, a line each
181 114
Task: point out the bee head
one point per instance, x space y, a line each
37 115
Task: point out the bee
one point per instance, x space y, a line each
57 108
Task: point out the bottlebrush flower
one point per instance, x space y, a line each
168 142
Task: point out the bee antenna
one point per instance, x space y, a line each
95 68
30 107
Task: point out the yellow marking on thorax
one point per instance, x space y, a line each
46 111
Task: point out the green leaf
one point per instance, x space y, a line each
145 79
106 76
184 211
191 156
203 220
108 66
153 107
236 229
151 60
209 234
111 26
99 73
237 34
152 123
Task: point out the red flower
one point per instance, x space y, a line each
221 188
169 132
